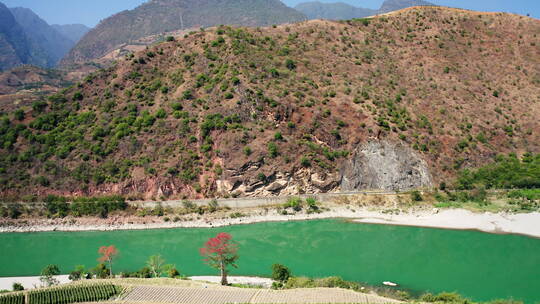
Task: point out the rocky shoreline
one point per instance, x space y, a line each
503 223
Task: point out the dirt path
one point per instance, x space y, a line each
212 295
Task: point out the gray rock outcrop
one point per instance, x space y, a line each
383 165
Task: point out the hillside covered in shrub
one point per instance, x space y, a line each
230 111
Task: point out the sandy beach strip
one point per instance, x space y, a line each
33 282
459 219
502 223
6 283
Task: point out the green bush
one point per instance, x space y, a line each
290 64
305 162
444 297
299 282
295 203
18 114
77 96
173 273
528 194
101 271
506 172
280 273
312 203
48 273
97 206
272 150
416 196
18 287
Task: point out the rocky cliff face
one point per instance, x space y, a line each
385 165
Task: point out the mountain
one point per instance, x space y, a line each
394 5
159 16
393 102
53 44
15 47
28 77
73 32
25 84
333 11
343 11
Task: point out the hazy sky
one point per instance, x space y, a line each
90 12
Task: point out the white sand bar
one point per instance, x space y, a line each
525 223
28 282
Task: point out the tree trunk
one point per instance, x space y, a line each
223 274
110 268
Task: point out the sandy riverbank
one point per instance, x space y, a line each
6 283
525 224
33 282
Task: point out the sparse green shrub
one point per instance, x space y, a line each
17 286
295 203
213 205
272 150
312 203
305 161
290 64
48 275
161 113
77 96
186 95
19 114
188 205
416 196
173 273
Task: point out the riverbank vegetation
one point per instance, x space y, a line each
507 172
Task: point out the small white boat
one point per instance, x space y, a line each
390 284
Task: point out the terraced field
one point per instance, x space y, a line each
212 295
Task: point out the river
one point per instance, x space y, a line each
478 265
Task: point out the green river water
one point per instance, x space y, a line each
478 265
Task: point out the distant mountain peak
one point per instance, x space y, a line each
394 5
72 31
160 16
333 11
344 11
51 43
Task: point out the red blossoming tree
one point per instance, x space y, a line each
108 254
220 252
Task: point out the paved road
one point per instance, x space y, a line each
245 202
